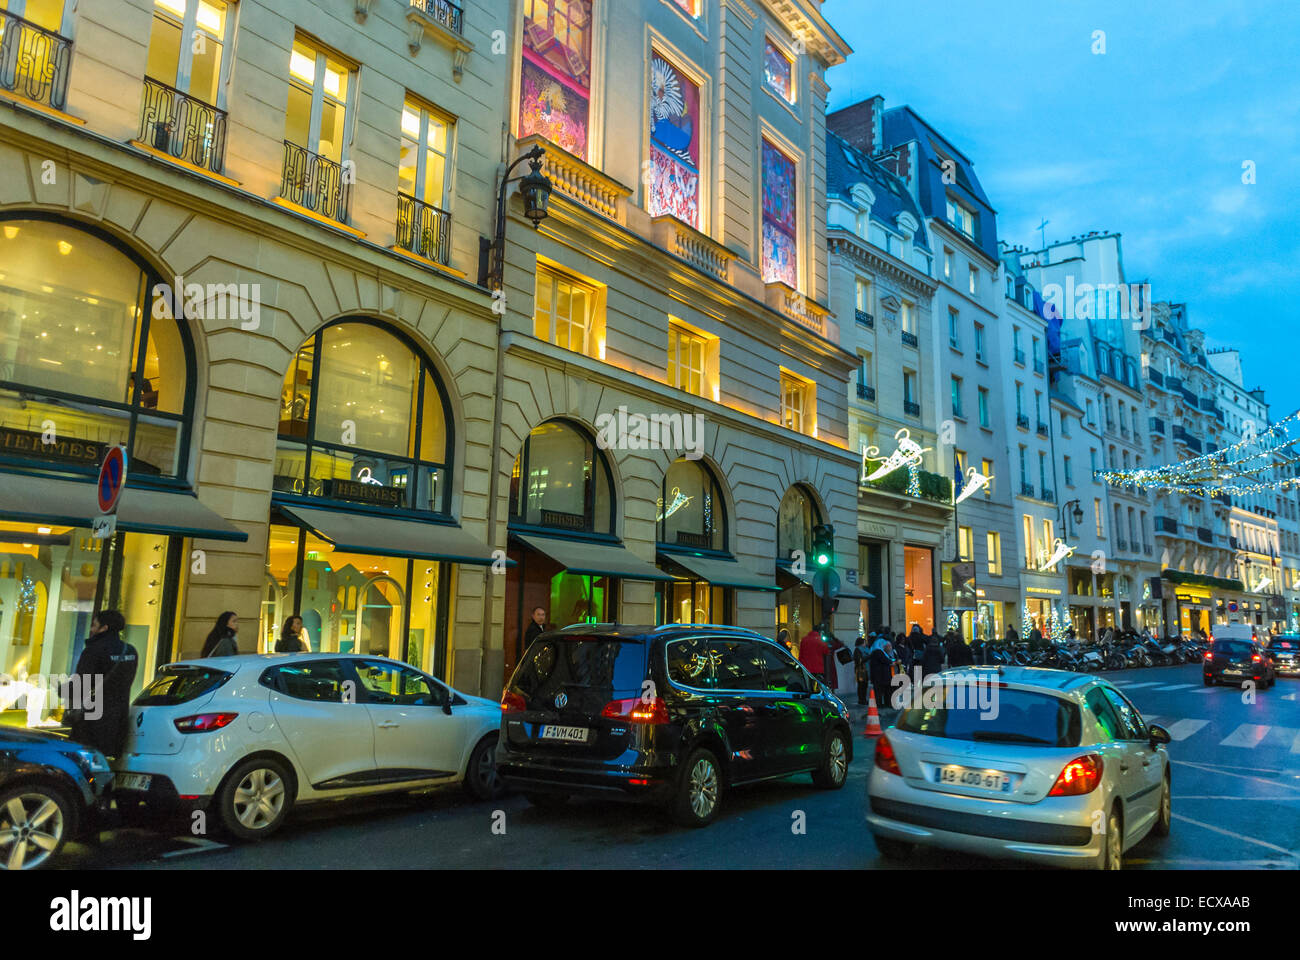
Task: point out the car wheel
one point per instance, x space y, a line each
1209 681
1165 818
1112 846
895 851
546 801
481 778
699 791
834 769
254 799
34 823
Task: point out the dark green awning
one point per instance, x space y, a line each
391 536
596 559
722 572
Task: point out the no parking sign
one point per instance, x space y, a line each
108 491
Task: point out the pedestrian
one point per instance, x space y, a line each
903 653
917 639
291 637
862 669
221 640
783 638
1035 638
959 655
880 667
100 689
812 653
536 626
931 657
1011 635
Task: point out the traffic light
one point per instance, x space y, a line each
823 546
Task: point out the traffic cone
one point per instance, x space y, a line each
873 718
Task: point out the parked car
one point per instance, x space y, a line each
52 789
1235 661
1057 767
251 736
1284 651
675 715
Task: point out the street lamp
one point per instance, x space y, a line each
1077 515
535 189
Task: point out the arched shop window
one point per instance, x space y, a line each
88 355
562 481
797 515
364 419
690 510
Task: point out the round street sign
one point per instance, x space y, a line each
826 583
112 478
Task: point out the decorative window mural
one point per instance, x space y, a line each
778 72
674 143
780 246
555 76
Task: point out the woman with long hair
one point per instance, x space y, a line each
291 638
221 639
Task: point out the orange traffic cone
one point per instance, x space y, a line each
873 718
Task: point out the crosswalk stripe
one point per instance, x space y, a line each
1289 696
1185 728
1206 690
1281 736
1148 683
1177 686
1295 745
1247 735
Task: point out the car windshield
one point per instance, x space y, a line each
180 684
590 671
1285 643
1234 648
1007 716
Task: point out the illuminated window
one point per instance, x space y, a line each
692 361
193 66
778 71
797 397
995 553
862 295
986 468
1028 522
674 143
561 480
555 76
690 7
566 313
690 509
780 231
319 93
965 543
423 169
907 317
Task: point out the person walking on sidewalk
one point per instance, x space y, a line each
931 657
881 668
862 669
221 641
812 654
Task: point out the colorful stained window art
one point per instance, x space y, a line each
674 143
780 246
555 76
778 72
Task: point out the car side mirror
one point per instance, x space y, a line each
1158 734
446 706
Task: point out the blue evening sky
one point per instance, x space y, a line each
1146 140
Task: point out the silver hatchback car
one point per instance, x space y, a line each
1020 762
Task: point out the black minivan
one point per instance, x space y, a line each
1235 661
672 715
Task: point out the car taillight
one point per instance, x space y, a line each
885 758
202 722
1081 775
1256 657
512 703
636 710
1209 655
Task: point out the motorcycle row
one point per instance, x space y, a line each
1123 651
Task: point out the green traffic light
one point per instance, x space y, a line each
822 559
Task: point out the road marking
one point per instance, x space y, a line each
1176 686
1146 683
1248 735
1206 690
1295 744
1213 768
1236 836
1289 696
199 845
1185 728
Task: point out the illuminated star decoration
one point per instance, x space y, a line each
975 482
909 453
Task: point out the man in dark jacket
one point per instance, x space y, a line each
932 658
881 663
100 689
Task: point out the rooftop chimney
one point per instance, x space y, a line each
860 125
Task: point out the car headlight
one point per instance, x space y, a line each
92 761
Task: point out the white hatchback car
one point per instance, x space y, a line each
1032 764
247 737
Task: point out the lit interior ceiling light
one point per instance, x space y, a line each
65 248
10 231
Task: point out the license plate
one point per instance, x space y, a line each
970 777
1235 673
567 734
132 781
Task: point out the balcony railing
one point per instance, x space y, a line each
865 392
911 408
1155 376
424 229
1042 429
1022 421
1048 494
1174 383
34 61
1146 549
448 14
314 182
1121 543
1156 425
1020 357
909 339
864 318
1166 525
182 126
1204 535
1026 489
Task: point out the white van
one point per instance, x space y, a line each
1234 631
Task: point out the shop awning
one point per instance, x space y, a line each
848 591
722 573
596 559
390 536
71 502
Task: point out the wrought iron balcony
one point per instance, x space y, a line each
448 14
1166 525
1204 535
864 318
1048 495
314 182
424 229
1155 376
34 62
1026 489
1042 429
1146 549
1121 543
1174 383
909 339
182 126
911 408
866 393
1022 421
1156 425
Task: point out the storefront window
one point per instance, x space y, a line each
363 419
561 480
918 589
577 598
796 517
690 510
87 355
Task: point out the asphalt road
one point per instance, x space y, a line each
1236 805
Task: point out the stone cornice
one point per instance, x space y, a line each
804 21
842 242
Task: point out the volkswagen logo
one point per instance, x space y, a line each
561 700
